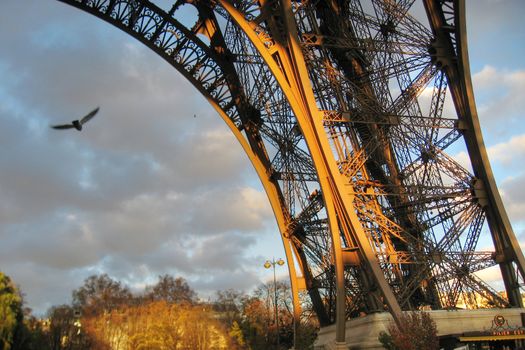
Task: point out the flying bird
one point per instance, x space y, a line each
77 124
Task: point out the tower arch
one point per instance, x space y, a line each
327 100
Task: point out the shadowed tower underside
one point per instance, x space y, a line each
349 112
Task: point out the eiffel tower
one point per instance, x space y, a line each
349 111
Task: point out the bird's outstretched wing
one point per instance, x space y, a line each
64 126
88 116
77 124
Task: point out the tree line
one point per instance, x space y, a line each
105 314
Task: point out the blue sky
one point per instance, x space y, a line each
148 189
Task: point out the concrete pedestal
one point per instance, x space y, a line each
362 333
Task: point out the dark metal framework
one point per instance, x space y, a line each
383 84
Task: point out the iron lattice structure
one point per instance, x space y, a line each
349 111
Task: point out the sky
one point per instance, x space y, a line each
156 183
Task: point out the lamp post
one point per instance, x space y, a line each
267 265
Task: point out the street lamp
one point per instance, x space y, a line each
267 265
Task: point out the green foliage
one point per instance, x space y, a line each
11 314
415 331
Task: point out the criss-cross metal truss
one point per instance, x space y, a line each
350 111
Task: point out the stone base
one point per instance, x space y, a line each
362 333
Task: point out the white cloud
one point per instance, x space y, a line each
507 159
513 193
501 102
231 209
510 154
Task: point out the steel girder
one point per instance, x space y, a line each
341 106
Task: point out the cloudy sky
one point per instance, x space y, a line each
147 188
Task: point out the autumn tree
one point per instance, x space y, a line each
165 316
259 329
228 304
36 337
202 330
157 325
256 323
11 315
100 293
415 331
237 336
129 326
64 330
171 290
278 302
